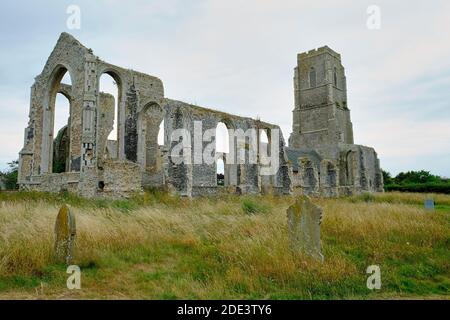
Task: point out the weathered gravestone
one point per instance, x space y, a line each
65 231
429 204
304 219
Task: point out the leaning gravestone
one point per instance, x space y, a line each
304 219
429 204
65 231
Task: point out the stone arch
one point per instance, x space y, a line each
222 138
264 134
230 171
48 117
226 155
349 174
61 133
116 134
66 91
231 127
264 158
220 170
149 151
61 144
113 73
329 174
264 144
309 176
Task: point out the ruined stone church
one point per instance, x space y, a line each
321 158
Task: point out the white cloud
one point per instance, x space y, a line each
238 56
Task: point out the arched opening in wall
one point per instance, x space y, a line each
264 146
151 137
61 142
154 141
222 138
222 151
264 158
312 78
309 179
110 83
349 167
335 77
331 175
220 171
161 134
56 126
66 79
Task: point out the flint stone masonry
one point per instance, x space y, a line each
201 179
122 178
65 232
81 159
304 220
322 125
329 174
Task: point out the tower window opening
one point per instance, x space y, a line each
335 77
312 78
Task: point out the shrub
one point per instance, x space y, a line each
10 177
414 177
416 181
420 187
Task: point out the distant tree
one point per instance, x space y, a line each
10 176
387 178
416 181
416 177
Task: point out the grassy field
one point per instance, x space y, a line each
161 247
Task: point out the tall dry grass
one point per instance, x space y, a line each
208 248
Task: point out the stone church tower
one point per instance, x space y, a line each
321 146
321 118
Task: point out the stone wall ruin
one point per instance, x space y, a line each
81 159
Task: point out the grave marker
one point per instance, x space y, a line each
65 231
304 220
429 204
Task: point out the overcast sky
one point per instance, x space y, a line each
238 56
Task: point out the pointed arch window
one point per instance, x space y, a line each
312 78
335 77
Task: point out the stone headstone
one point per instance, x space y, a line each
65 231
429 204
304 220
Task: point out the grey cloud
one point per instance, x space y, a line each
239 56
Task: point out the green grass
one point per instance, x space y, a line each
251 206
157 246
